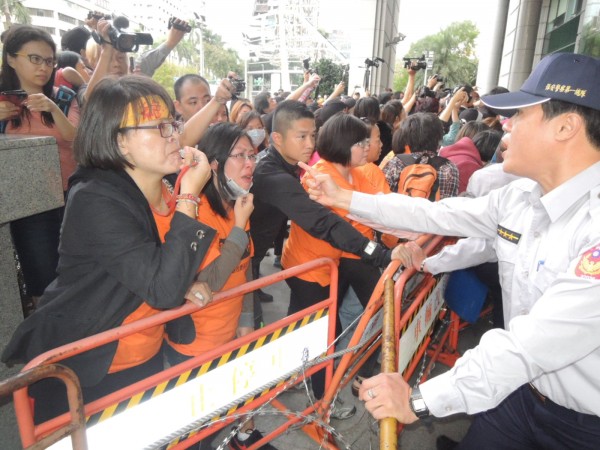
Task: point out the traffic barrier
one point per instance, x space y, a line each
417 305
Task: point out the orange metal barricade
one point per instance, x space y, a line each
348 366
31 434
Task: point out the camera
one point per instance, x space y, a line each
306 65
121 40
16 97
467 88
178 26
374 62
98 16
238 84
415 63
439 78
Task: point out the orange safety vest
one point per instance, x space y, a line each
217 324
301 247
140 347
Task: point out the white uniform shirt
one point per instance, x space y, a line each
548 250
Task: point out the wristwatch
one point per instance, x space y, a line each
422 266
417 404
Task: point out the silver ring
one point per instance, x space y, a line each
370 393
199 296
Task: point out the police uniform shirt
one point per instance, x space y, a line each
548 248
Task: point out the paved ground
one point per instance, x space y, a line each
358 433
361 431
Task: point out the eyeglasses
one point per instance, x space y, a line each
39 60
242 156
166 128
364 143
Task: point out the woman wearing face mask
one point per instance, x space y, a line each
225 205
252 123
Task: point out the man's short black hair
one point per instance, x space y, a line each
590 116
181 80
287 112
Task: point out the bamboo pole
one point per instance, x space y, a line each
388 435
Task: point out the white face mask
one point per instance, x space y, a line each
257 136
231 190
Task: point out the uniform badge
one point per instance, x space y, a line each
509 235
589 264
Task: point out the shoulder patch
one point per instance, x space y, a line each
589 264
510 236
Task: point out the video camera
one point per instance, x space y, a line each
307 68
415 63
178 26
374 62
121 40
98 15
238 84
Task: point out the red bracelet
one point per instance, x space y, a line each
191 197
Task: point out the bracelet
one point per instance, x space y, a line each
422 266
190 197
191 202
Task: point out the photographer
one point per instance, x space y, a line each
110 61
149 61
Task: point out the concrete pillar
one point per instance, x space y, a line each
30 183
490 55
524 45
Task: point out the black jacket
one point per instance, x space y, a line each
111 260
278 195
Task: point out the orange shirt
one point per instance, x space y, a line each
376 176
140 347
301 247
216 325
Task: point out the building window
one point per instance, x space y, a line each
67 19
40 12
562 26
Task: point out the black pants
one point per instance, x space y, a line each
36 240
302 295
524 421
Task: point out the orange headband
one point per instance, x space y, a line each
150 108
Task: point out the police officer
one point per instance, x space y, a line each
534 384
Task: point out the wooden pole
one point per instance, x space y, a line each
388 435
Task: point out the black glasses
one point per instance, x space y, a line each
39 60
242 156
166 128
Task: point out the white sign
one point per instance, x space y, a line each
153 420
416 331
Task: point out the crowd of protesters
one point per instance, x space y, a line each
171 200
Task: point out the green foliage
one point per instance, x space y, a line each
331 74
454 55
16 9
219 60
167 73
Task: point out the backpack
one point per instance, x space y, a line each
419 178
62 97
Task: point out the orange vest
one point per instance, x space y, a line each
140 347
216 325
301 247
